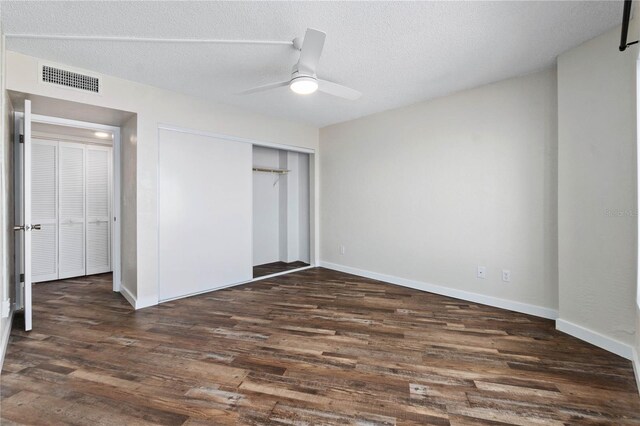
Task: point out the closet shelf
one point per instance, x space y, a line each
267 170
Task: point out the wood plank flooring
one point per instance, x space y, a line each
315 347
275 267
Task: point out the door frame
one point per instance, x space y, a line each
116 263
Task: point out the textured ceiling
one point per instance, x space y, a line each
394 53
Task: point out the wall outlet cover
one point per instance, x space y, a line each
482 272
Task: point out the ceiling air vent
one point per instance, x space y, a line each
70 79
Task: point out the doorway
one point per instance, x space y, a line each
67 192
281 211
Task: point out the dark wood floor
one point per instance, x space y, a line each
275 267
308 348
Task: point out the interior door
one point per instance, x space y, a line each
26 227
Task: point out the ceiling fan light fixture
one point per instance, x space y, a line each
304 85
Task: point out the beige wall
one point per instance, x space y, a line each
154 106
597 174
430 191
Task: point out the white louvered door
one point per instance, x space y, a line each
98 209
44 210
71 248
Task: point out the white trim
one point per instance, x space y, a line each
146 302
4 339
511 305
116 190
134 301
32 36
637 183
595 338
18 178
236 139
277 274
636 367
126 293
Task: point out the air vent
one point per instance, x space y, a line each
70 79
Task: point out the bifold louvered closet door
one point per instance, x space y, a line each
98 209
71 211
44 209
71 197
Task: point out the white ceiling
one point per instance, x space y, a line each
395 53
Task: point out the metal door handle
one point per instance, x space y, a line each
27 227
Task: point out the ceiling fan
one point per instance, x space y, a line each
304 80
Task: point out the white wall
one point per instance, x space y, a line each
597 209
266 207
153 107
430 191
128 184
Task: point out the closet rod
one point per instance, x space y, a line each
277 171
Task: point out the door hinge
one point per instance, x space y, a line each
21 138
21 278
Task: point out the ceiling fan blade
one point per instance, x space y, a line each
265 87
311 51
338 90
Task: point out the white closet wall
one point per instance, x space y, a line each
71 196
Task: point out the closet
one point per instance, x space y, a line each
280 210
228 211
71 199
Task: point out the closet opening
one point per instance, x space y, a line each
67 217
72 200
281 211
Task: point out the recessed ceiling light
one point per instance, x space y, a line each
304 85
102 135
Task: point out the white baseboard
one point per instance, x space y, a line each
124 291
497 302
146 302
595 338
137 303
636 367
277 274
4 338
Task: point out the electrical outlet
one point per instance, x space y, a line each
482 272
343 249
506 275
